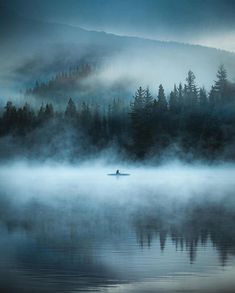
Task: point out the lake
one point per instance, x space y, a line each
75 229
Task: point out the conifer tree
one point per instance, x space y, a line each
71 110
203 102
148 109
173 101
9 117
148 99
138 122
213 97
191 90
49 111
41 112
190 81
162 102
222 85
180 96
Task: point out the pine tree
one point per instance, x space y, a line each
9 117
213 97
180 95
71 111
137 107
222 85
190 81
162 102
148 107
148 99
195 97
41 112
25 119
191 90
173 101
203 102
139 100
49 111
141 137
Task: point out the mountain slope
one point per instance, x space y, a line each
32 49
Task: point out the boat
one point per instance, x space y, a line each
119 174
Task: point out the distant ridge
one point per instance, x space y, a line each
36 50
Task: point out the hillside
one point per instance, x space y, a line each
34 50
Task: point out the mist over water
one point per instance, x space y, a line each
71 228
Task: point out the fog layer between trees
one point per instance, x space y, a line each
189 123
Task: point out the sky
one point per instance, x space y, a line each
205 22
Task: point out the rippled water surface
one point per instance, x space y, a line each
75 229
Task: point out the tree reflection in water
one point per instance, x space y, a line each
79 222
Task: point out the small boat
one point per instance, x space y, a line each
118 174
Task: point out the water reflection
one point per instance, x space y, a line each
78 241
197 225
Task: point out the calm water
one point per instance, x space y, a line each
166 229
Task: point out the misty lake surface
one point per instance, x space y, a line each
75 229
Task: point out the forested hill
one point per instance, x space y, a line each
35 50
189 123
64 84
79 82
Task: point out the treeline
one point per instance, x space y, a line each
56 87
199 122
190 120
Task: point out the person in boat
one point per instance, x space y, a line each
117 172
